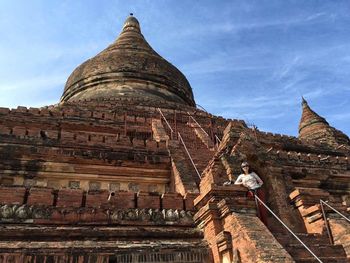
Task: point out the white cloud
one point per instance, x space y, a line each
228 26
286 69
316 16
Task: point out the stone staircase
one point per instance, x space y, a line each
306 200
200 152
183 169
318 244
199 145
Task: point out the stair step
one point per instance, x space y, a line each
336 250
299 252
323 259
306 238
318 244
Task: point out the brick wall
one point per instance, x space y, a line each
12 195
69 198
40 196
98 198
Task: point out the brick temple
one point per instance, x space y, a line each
125 168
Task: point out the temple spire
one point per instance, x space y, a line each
313 126
309 117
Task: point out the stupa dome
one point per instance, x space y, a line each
128 68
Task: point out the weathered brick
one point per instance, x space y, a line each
40 196
12 195
148 200
69 198
172 201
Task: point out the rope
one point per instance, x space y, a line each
197 124
290 231
182 141
189 155
343 216
166 121
329 231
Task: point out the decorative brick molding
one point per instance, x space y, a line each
49 215
147 255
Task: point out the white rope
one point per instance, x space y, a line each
197 124
189 155
182 141
166 121
343 216
290 231
217 138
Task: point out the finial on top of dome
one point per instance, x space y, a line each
303 101
131 24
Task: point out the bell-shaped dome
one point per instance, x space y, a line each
128 68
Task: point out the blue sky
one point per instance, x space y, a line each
250 60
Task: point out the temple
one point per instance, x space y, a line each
125 168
